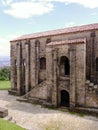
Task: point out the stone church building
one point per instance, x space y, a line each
59 66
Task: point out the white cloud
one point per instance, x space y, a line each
6 2
86 3
5 44
69 24
28 9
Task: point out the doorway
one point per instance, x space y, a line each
64 98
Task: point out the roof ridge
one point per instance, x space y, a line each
59 31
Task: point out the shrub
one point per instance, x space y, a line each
5 73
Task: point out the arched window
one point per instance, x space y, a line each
97 64
64 66
48 40
15 67
37 43
43 63
24 69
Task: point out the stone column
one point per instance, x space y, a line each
37 62
93 57
13 66
72 77
54 89
18 69
80 74
27 78
32 64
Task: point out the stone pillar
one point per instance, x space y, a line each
32 64
13 75
80 74
54 89
93 56
19 69
13 66
37 44
72 77
27 78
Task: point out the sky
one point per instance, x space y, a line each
19 17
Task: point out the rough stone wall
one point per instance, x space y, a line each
80 74
82 64
13 66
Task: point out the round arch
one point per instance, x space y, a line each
43 63
64 66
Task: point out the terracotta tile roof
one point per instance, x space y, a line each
59 31
76 41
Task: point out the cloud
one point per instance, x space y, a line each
5 44
86 3
69 24
28 9
6 2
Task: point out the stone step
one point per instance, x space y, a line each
87 81
47 104
36 100
9 118
21 99
91 84
91 111
3 112
64 109
12 92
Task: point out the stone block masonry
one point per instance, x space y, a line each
55 66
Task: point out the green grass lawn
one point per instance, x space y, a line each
6 125
5 85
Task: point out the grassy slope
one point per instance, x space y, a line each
6 125
5 85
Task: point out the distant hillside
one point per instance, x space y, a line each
4 61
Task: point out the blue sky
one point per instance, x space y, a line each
18 17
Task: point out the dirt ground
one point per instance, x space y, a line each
34 117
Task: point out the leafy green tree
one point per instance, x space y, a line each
5 73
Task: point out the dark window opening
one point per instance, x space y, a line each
64 98
43 63
48 40
67 66
15 67
24 65
97 64
22 90
64 66
37 43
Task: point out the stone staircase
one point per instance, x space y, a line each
36 99
44 83
91 87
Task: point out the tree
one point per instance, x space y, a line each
5 73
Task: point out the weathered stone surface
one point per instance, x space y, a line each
69 67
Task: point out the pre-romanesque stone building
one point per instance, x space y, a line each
59 66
